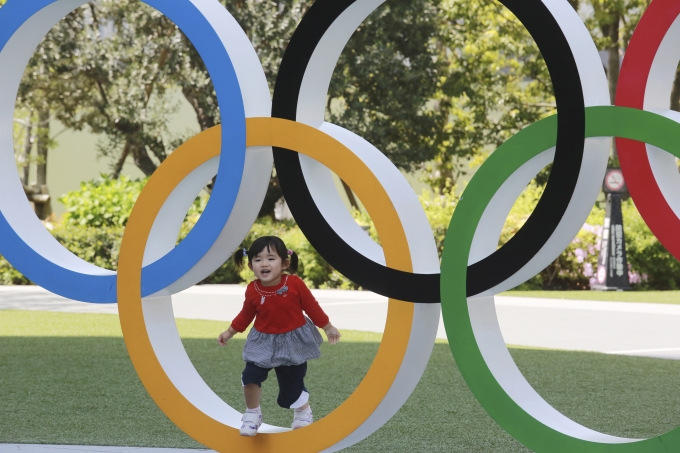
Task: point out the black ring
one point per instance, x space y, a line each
518 251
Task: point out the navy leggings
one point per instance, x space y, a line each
291 381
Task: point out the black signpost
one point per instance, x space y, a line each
612 266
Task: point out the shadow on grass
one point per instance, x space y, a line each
83 390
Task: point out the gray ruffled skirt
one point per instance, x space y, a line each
271 350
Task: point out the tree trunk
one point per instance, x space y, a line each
158 149
675 93
43 146
121 161
274 194
43 208
142 159
613 65
614 62
350 196
25 157
197 101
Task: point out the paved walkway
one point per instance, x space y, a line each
626 328
610 327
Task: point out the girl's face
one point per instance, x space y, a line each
268 266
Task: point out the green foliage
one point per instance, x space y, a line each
495 83
96 216
573 269
607 12
98 212
364 220
11 276
111 66
386 79
652 267
104 68
105 202
439 207
313 269
97 245
420 79
658 269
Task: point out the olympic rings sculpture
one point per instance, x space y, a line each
290 131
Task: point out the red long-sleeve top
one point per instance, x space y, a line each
279 312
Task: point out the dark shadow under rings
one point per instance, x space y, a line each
511 257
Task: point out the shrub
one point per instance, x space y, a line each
97 213
313 269
439 207
104 202
652 266
11 276
573 269
99 246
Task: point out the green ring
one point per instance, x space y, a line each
601 121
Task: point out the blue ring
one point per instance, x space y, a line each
171 267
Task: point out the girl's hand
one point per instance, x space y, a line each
332 334
226 336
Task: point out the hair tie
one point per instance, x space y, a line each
290 252
245 252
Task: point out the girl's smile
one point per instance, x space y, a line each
268 267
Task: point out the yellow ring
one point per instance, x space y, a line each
345 419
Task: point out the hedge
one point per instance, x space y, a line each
96 216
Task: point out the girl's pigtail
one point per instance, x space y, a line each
238 258
293 267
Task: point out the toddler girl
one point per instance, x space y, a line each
282 337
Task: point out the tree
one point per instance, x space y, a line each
612 23
112 65
495 83
386 79
105 72
425 81
34 126
269 26
381 86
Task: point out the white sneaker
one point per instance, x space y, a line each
302 418
251 423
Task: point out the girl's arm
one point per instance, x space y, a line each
310 305
332 333
247 314
225 336
240 322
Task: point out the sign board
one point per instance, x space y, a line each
613 181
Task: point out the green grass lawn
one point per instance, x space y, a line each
650 297
67 379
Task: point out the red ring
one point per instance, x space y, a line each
630 92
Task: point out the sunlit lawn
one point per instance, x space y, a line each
67 379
